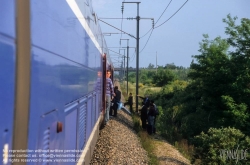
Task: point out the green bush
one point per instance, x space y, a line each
221 146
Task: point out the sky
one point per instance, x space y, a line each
175 41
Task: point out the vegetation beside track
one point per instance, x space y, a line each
206 108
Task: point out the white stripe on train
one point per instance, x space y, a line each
74 7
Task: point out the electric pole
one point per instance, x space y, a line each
123 63
127 60
137 50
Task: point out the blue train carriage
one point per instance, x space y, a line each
53 67
7 75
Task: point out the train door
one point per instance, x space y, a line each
112 73
104 62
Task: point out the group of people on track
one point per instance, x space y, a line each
149 111
113 98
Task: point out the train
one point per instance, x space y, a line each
53 63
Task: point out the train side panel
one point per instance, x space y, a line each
65 101
7 75
67 74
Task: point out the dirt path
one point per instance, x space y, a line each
167 154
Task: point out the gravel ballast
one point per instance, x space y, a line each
119 144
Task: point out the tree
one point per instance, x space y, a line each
131 77
215 99
224 77
151 66
163 77
170 66
239 39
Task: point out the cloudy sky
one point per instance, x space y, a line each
174 41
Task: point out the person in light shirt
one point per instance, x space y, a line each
109 94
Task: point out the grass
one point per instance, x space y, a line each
146 140
186 149
147 144
132 88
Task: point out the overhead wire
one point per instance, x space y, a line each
115 52
147 41
116 28
163 22
172 15
163 12
132 57
146 33
153 28
158 19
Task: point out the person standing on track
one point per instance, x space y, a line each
151 119
116 100
130 102
144 115
109 94
156 113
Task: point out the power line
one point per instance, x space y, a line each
115 52
163 22
117 28
157 19
113 18
163 12
149 29
146 33
147 40
131 60
172 15
152 28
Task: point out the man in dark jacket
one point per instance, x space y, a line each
116 100
151 118
130 102
156 113
144 99
144 115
